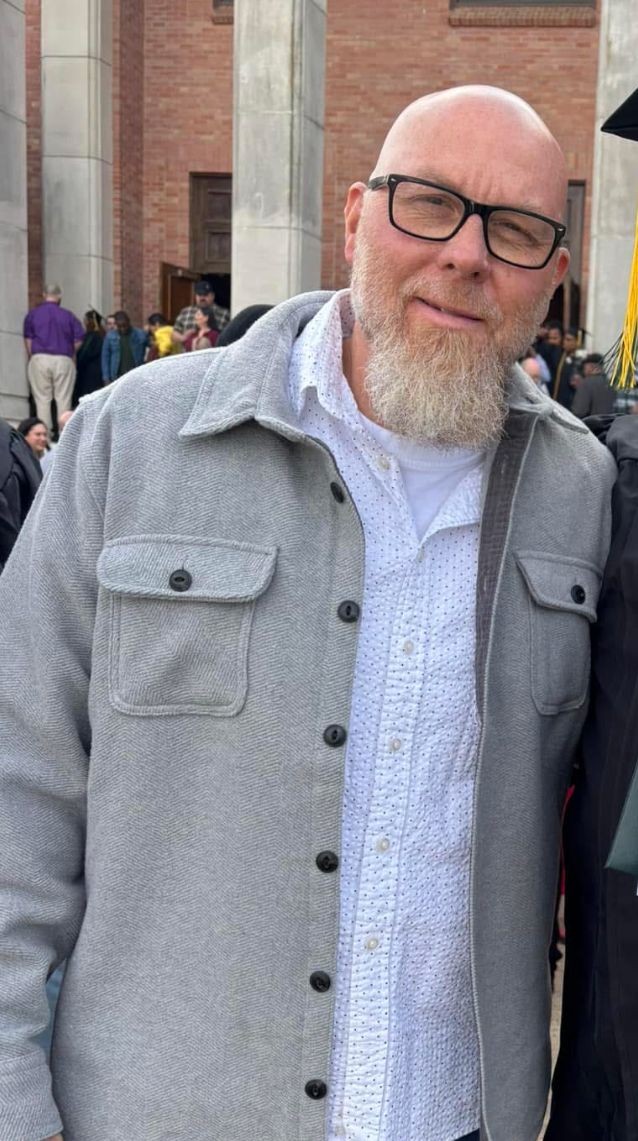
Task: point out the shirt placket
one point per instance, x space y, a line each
376 915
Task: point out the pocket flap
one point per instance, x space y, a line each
561 583
216 570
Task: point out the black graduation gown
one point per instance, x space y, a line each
595 1088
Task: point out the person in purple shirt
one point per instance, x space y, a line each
52 336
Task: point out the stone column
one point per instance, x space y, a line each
13 211
279 65
615 181
77 151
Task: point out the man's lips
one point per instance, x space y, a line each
448 317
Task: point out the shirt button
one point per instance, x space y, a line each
408 647
372 944
180 580
394 744
348 611
384 463
320 981
316 1089
420 555
383 844
337 492
334 735
327 862
579 594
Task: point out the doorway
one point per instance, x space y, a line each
211 212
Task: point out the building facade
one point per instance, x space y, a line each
159 135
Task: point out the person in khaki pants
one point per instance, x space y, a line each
52 336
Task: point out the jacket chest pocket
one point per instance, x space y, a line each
181 611
563 594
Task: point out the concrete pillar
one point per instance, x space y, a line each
13 211
77 151
279 66
615 182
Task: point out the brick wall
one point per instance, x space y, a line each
34 149
128 155
381 56
188 97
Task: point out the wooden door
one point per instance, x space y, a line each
210 223
177 289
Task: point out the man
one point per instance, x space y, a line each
312 658
594 395
110 323
204 299
564 377
123 349
52 336
550 346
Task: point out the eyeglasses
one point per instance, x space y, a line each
426 210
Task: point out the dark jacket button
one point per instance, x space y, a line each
337 492
348 611
180 580
579 594
335 735
327 862
320 980
316 1089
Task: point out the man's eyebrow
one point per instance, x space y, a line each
450 184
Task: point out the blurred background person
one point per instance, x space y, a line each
565 378
204 299
205 333
52 336
89 358
36 434
531 364
594 395
123 348
20 477
109 323
162 342
241 323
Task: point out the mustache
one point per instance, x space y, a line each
468 300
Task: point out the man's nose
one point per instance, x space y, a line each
467 252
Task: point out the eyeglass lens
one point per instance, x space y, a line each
428 212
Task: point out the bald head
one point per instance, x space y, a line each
484 137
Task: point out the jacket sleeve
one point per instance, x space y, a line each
47 605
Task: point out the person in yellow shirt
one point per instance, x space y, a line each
162 343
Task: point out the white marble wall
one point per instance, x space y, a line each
13 211
615 182
279 55
77 151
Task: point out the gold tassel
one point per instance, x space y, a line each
622 359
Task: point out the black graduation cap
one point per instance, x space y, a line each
621 361
624 120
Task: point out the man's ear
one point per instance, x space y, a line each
352 214
562 265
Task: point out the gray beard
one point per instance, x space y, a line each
442 387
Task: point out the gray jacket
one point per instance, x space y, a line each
171 658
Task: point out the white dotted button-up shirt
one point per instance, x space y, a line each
405 1052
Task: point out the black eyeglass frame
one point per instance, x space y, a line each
469 207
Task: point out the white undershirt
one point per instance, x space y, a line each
430 474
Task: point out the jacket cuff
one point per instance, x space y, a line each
27 1109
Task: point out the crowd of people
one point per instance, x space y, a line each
68 361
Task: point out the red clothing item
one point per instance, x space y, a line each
211 335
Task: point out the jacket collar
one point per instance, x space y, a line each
248 380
